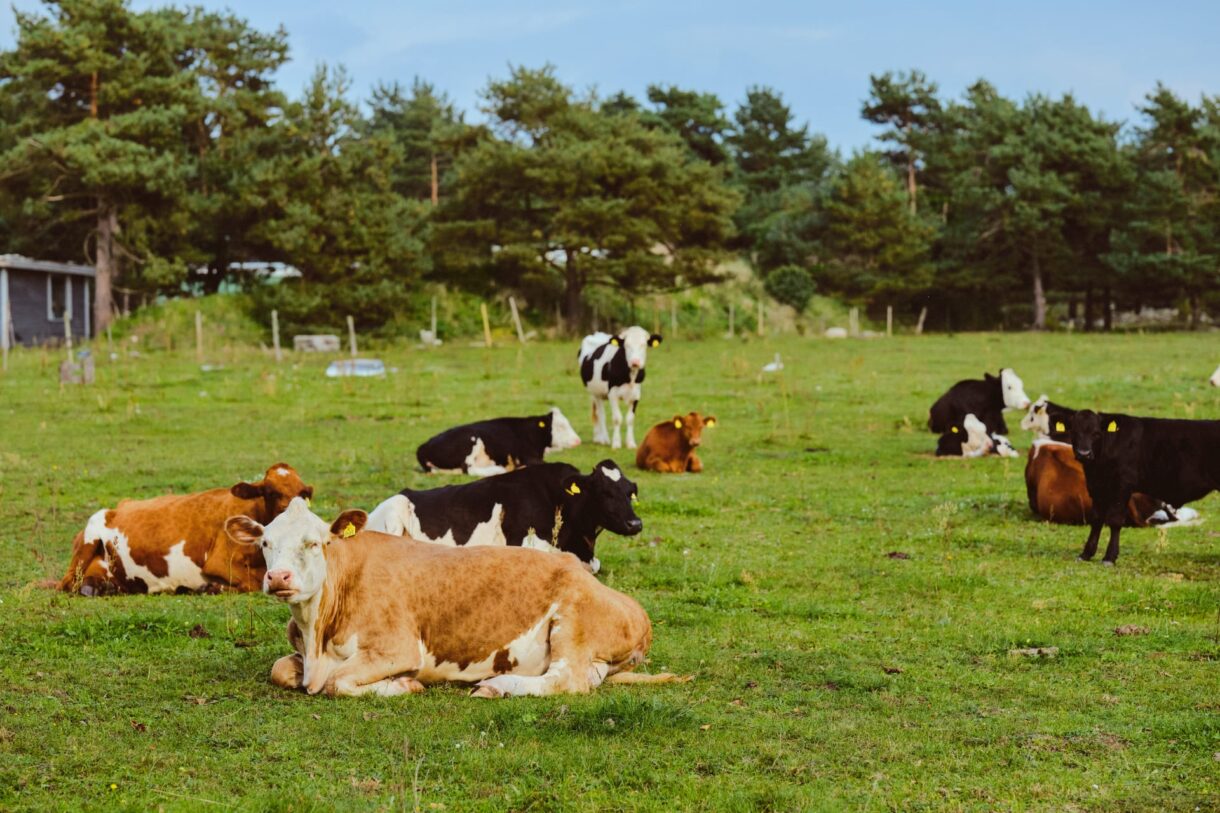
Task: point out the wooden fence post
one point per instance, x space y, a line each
351 335
486 324
198 336
762 314
275 335
853 322
731 314
68 333
889 320
673 317
923 314
512 303
434 317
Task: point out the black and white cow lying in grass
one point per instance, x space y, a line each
970 438
612 369
498 445
551 506
986 399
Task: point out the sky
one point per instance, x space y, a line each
818 55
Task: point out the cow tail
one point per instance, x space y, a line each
628 678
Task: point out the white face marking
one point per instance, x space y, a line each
612 474
531 650
563 436
294 542
181 570
635 343
1215 379
1013 389
1036 420
282 472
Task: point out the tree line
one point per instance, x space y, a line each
157 146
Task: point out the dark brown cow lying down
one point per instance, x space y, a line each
177 542
380 614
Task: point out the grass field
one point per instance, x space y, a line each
827 674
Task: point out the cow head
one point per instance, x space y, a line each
1091 434
691 425
1215 379
635 342
607 495
1013 389
279 486
1036 419
563 436
292 546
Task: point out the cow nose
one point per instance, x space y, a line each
278 580
634 526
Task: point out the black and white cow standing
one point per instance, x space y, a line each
986 399
551 506
612 368
492 447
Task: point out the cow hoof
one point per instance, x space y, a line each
1108 563
406 685
87 590
1083 559
489 692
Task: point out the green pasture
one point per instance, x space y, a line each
828 674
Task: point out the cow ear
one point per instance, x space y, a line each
307 495
349 523
989 377
247 491
709 421
654 340
243 530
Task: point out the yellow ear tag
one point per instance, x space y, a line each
542 424
573 489
1059 427
634 498
710 422
349 531
1113 427
678 423
953 429
654 342
614 342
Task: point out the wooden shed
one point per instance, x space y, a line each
35 295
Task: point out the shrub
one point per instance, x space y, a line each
791 285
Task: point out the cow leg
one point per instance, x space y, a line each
1090 545
600 435
694 464
288 671
631 422
616 413
388 672
561 677
1111 556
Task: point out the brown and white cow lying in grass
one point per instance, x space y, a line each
380 614
177 542
670 445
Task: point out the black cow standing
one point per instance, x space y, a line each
1175 461
986 399
492 447
548 506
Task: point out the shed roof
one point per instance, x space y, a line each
16 262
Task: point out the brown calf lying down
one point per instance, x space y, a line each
670 445
1055 483
380 614
178 542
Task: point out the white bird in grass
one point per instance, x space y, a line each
775 366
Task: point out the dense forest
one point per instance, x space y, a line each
157 146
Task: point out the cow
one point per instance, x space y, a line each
551 507
1048 420
612 369
671 446
1174 461
970 438
485 448
385 615
177 542
986 399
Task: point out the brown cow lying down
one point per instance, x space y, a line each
178 542
380 614
670 445
1055 483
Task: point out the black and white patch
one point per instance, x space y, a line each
547 506
495 446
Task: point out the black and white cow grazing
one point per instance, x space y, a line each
612 368
551 506
987 399
498 445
